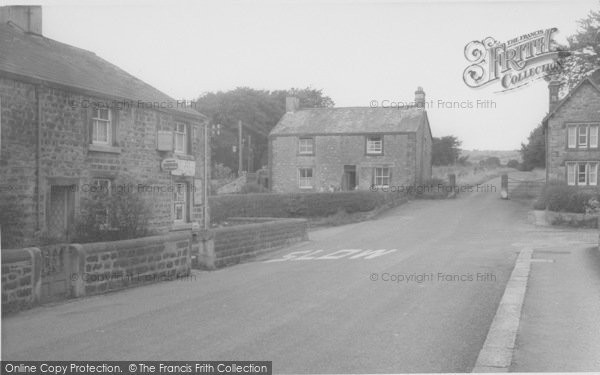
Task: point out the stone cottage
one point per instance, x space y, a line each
323 149
571 127
72 123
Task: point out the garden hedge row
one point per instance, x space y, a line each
559 197
297 204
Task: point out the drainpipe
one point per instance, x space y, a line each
206 176
38 157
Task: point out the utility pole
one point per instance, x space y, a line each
249 153
206 179
240 149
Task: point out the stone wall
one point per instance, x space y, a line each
21 284
332 152
582 106
108 266
68 158
95 268
252 237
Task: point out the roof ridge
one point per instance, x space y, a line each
43 38
37 56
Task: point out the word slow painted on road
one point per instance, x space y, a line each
337 254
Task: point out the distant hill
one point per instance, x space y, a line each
476 155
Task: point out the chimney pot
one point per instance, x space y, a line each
553 90
420 97
26 17
292 104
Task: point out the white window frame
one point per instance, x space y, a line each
380 177
589 174
97 119
571 180
180 200
305 182
572 136
306 146
580 174
583 135
178 134
593 136
592 171
374 147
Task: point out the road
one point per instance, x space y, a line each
311 315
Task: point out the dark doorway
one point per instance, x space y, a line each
349 181
61 211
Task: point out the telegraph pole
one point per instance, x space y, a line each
240 149
249 153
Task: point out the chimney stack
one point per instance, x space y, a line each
553 89
420 97
292 104
26 17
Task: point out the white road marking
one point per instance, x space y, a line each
337 254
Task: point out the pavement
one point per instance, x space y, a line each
416 290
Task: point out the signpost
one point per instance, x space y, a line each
169 164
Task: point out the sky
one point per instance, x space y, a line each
360 53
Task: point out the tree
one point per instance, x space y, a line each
583 56
259 111
513 163
445 150
464 160
534 152
490 162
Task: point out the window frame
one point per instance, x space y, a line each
312 146
183 203
574 173
185 135
306 178
581 134
589 132
368 141
590 127
382 176
96 120
95 181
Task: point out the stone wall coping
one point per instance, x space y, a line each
18 255
271 222
96 247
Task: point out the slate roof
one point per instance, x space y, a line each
41 58
359 120
593 79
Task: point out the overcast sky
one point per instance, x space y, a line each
356 51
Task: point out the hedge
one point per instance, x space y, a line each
297 204
559 197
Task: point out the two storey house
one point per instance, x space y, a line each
72 123
325 149
571 128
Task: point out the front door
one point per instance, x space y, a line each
61 212
349 179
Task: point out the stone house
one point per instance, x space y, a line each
73 123
323 149
571 128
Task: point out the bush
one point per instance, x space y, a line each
297 204
512 163
11 222
559 197
113 216
250 188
